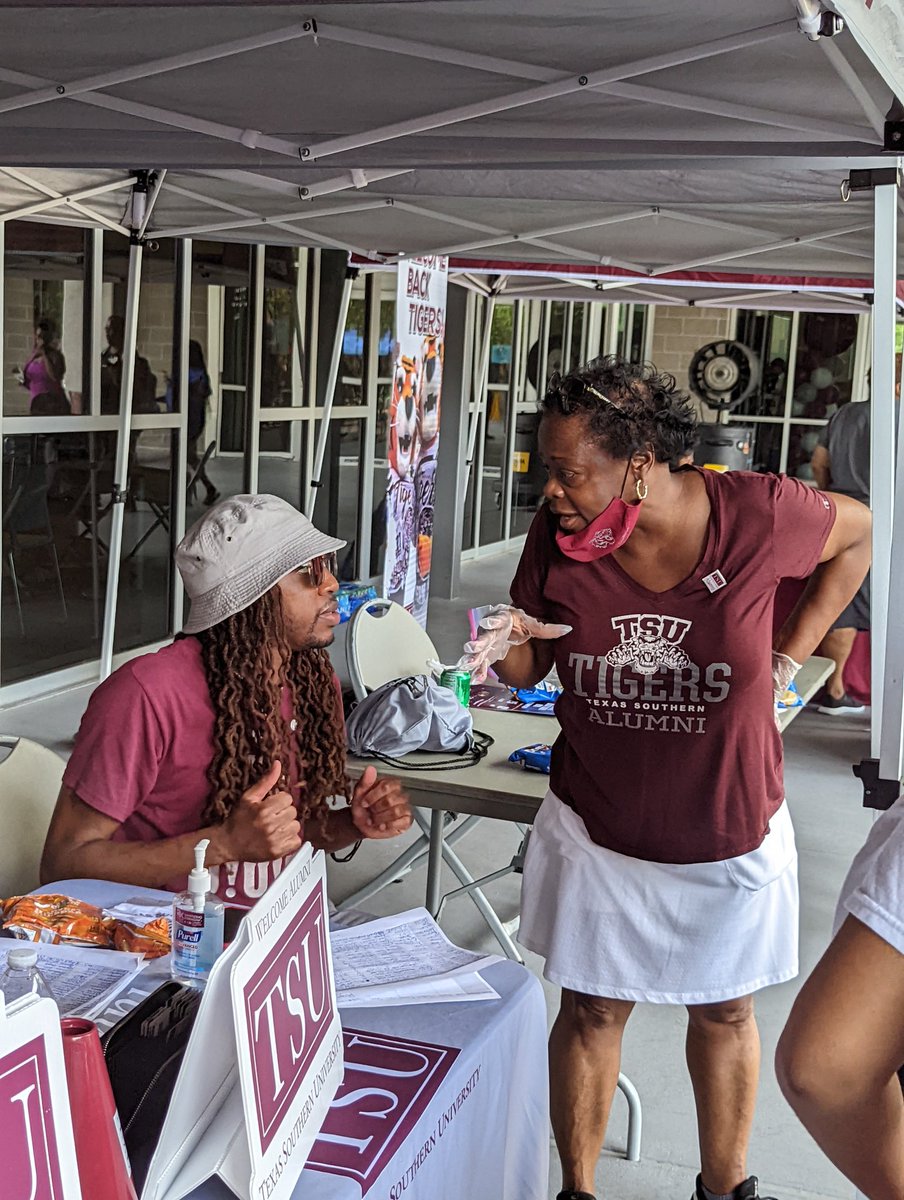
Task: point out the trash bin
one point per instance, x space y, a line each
528 476
724 447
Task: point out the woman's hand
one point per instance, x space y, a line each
500 628
783 671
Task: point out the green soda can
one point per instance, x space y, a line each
459 682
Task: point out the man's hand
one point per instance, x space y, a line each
379 807
263 826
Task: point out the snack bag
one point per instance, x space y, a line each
151 940
56 919
790 699
60 920
532 758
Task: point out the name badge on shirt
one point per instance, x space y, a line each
714 581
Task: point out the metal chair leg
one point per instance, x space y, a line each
56 564
12 571
486 910
402 866
635 1117
144 537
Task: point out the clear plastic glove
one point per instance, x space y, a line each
783 671
500 627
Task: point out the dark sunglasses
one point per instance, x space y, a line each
318 568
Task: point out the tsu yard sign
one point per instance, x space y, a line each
265 1056
36 1145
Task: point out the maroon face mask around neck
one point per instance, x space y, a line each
607 532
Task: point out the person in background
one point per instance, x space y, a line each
44 372
662 865
841 462
233 733
144 382
199 392
839 1060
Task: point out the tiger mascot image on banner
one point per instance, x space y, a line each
402 454
431 381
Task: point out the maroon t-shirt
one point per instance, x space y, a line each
669 750
142 754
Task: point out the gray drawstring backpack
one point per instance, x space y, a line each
411 714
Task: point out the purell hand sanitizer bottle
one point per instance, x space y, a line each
197 925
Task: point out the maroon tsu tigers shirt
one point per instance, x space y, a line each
669 750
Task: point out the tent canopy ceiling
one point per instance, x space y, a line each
647 138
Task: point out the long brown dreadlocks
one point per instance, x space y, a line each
248 663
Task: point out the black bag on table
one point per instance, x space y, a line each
143 1053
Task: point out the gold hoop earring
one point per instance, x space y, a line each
640 489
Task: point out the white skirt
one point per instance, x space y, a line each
667 933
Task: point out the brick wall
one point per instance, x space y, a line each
18 341
155 329
155 326
198 319
679 332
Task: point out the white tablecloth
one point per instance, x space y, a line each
439 1101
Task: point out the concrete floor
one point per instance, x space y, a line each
826 804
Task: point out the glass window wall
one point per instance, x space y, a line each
55 507
808 368
44 320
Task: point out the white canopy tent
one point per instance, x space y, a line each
646 143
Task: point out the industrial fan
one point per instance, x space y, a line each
724 374
554 359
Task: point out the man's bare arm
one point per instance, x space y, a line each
263 826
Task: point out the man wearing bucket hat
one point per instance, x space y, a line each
234 732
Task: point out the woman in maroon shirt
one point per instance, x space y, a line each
662 865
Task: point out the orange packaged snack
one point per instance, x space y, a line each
56 919
60 920
151 940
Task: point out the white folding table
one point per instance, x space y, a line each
495 788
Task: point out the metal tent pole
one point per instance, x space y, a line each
180 395
887 500
351 274
254 379
881 774
480 390
121 471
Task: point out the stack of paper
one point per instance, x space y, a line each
83 979
405 959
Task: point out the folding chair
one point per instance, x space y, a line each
385 642
27 516
30 776
153 487
192 486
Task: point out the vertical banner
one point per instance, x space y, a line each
414 417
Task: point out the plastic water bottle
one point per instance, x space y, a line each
22 977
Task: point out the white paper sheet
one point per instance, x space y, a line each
408 949
448 990
141 912
83 980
